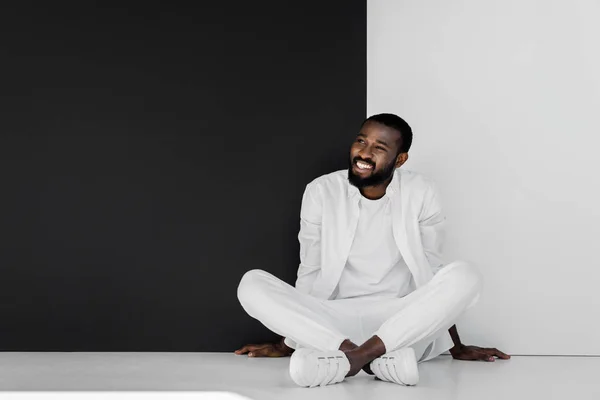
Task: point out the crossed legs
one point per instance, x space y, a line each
321 325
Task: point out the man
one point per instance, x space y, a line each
372 291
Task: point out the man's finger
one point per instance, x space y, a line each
484 356
261 352
243 350
496 352
251 347
247 348
478 355
470 356
500 354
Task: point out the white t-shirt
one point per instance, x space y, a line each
375 266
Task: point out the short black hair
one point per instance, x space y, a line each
395 122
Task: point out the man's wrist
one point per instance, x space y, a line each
456 348
284 347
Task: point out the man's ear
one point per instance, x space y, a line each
401 159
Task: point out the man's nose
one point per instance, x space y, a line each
365 154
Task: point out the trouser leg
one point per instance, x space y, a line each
432 308
284 310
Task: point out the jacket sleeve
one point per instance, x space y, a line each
432 223
309 238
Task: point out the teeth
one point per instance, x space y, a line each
363 165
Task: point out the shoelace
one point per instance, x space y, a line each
328 371
384 369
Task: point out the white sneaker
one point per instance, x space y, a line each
399 366
310 368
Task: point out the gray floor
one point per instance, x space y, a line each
258 379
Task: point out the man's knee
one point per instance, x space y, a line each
465 276
250 285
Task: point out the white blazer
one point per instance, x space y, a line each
329 217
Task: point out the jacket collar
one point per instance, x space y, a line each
392 189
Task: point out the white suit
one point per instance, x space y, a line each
328 221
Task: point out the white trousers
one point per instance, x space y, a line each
415 320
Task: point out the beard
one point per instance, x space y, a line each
375 178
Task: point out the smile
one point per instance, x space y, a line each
363 166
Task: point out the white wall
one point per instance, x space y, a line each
504 101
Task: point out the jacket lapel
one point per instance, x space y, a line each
406 234
339 241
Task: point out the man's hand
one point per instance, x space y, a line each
474 353
266 350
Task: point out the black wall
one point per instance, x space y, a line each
150 155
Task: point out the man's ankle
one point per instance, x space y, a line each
347 345
372 348
360 357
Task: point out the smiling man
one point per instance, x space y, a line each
372 291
